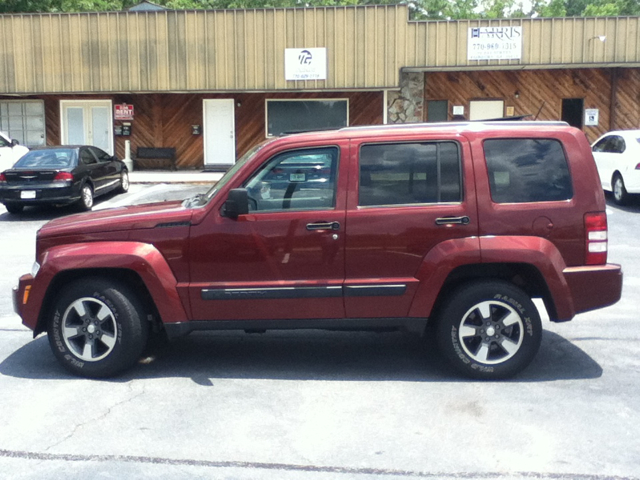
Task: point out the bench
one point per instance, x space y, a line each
156 157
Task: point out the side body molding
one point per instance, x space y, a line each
142 258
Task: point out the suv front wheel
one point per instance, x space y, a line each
97 328
489 330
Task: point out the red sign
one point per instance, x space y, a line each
124 112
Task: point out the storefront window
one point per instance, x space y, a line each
23 121
290 116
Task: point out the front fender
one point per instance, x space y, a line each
142 258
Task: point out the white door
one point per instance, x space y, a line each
486 109
87 123
219 132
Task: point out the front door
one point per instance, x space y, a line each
284 260
219 133
87 123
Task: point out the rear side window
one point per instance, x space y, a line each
409 173
527 170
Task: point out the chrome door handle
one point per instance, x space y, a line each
323 226
453 220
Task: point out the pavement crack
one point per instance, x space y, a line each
97 419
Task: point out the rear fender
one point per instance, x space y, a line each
449 255
142 258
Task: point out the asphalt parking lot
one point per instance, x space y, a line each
323 405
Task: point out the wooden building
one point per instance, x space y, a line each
211 84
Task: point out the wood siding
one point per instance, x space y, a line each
541 92
243 50
165 120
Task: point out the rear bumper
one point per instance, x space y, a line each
594 286
44 194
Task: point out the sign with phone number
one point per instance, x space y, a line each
494 43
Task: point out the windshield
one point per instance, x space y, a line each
45 159
204 198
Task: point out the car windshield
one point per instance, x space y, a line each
44 159
203 198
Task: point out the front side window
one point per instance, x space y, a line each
602 145
527 170
409 173
295 180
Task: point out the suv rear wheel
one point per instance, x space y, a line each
97 328
489 330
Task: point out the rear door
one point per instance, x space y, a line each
96 170
407 197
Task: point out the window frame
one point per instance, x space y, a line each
299 100
550 139
413 142
289 153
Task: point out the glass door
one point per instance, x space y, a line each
87 123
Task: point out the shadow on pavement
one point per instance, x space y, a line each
307 355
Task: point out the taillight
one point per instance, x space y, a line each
3 178
63 177
595 225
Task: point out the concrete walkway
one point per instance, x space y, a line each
180 176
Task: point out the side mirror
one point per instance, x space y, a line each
237 203
14 142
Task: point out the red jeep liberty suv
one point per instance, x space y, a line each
458 225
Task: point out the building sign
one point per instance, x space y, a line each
591 117
123 111
305 63
494 43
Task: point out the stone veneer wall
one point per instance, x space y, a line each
407 104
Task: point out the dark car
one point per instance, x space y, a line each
62 175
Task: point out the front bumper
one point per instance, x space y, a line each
21 295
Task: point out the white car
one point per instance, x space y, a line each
617 156
10 152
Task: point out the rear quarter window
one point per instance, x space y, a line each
527 170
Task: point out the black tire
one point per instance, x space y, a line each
86 198
489 330
97 328
620 195
14 208
124 182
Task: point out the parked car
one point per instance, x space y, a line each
617 156
10 151
60 176
454 226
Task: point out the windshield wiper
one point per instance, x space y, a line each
195 201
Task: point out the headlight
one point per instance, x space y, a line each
35 269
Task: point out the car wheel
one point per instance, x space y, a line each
14 208
489 330
97 328
86 197
124 182
620 195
